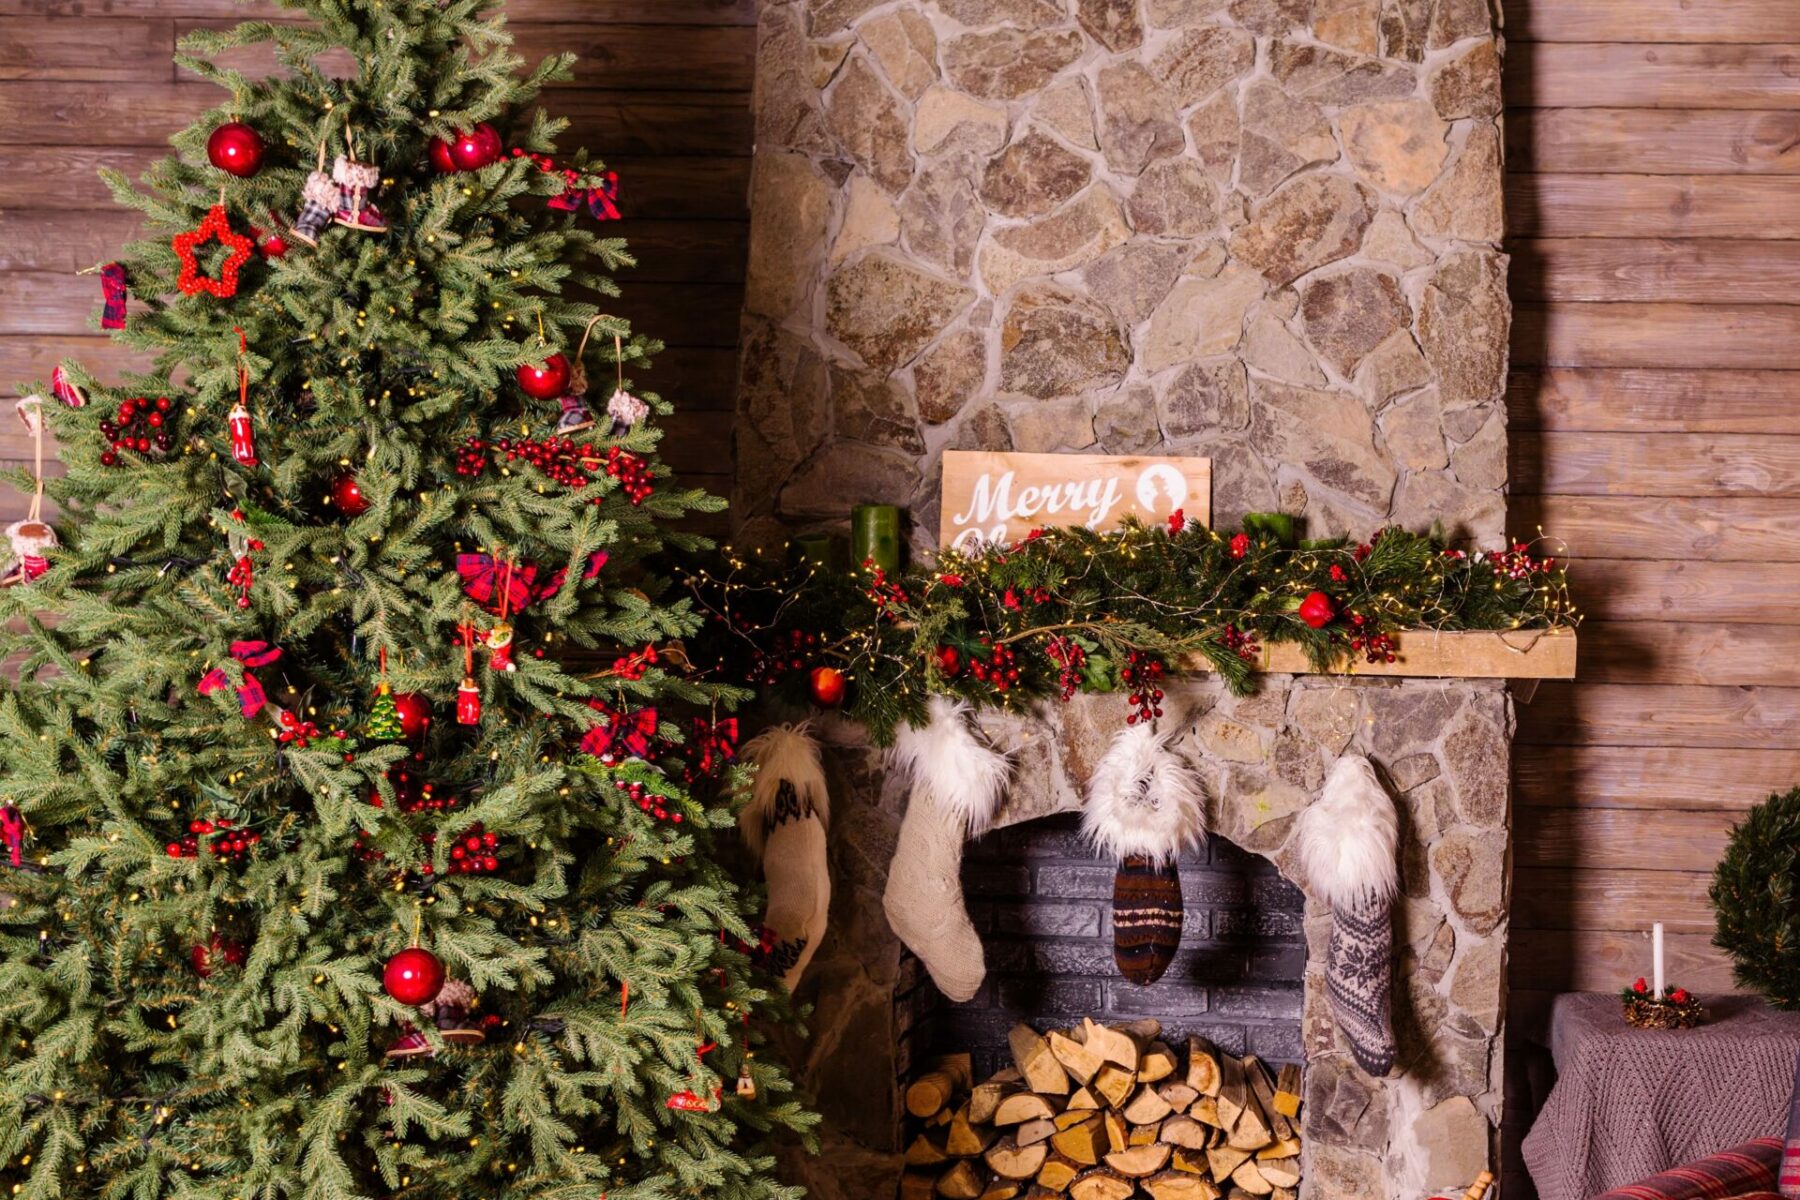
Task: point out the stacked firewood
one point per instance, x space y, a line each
1105 1112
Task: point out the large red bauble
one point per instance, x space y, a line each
347 495
475 149
413 976
236 149
441 158
547 382
1317 611
415 715
201 957
828 686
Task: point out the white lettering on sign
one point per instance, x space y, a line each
992 497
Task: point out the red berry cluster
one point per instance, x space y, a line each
787 653
1243 644
473 851
1376 647
139 427
226 842
999 668
296 732
1142 673
635 665
559 458
650 802
1070 659
632 472
1519 563
883 591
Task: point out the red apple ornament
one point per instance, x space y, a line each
201 956
415 715
1317 611
413 976
475 149
236 149
550 381
828 686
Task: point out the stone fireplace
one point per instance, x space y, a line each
1262 231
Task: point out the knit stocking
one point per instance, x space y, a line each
1348 846
956 787
1144 807
784 823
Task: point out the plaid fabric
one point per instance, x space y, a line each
1743 1173
1787 1179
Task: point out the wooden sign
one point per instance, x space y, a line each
990 496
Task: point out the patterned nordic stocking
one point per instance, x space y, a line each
784 824
1348 850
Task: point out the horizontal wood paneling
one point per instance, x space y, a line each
1583 714
1685 590
1653 401
520 12
1660 464
1555 204
1572 334
1627 527
1726 782
1695 271
1613 74
1680 652
1654 141
1603 898
1618 839
1662 21
1603 960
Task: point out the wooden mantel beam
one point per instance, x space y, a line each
1463 654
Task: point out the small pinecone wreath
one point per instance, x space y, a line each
1754 894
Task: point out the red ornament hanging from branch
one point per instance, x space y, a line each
192 282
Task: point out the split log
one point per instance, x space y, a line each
1287 1148
917 1185
1140 1161
1083 1143
1030 1133
1101 1185
1122 1045
1157 1064
1002 1189
1171 1185
1118 1134
1223 1160
961 1182
1143 1135
1010 1160
1184 1131
1281 1172
1252 1130
1190 1161
1178 1095
1287 1091
1114 1084
935 1089
1058 1172
1282 1193
1041 1071
1206 1111
986 1098
1079 1059
927 1150
965 1138
1262 1086
1020 1107
1146 1107
1084 1097
1203 1074
1249 1176
1234 1091
1068 1118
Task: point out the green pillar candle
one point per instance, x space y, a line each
1278 526
814 548
875 536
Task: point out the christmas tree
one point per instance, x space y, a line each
352 847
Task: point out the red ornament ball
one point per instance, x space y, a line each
441 158
236 149
475 149
347 495
828 686
949 661
413 976
201 957
547 382
415 715
1317 610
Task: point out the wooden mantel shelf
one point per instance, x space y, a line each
1464 654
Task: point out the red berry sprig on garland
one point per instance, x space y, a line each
1143 673
140 427
1071 660
632 472
560 459
999 669
647 801
226 842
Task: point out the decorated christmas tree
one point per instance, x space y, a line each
352 843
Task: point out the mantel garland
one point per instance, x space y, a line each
1067 610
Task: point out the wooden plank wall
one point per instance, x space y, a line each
661 91
1654 197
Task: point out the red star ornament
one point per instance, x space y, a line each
192 282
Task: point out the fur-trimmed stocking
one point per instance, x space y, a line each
1144 807
1348 846
957 783
784 824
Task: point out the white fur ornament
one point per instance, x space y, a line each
784 824
1349 840
957 784
1143 801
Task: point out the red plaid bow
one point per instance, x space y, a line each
251 697
712 746
601 200
630 733
12 830
485 581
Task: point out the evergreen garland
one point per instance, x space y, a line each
1068 609
1753 895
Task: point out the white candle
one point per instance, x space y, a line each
1656 960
